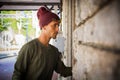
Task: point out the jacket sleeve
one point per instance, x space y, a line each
62 69
21 64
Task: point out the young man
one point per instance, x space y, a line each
38 59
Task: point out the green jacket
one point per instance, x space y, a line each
37 62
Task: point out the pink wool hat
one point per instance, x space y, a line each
45 16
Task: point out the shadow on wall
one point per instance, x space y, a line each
116 73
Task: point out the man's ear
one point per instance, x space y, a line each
45 27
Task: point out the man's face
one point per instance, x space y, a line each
52 29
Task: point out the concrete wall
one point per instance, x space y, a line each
96 40
67 26
92 32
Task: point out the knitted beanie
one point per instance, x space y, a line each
45 16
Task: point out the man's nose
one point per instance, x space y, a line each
57 28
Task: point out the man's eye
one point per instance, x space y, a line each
57 25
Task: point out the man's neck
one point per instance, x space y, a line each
44 39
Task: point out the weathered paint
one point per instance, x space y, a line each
96 47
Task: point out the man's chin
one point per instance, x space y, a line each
54 37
